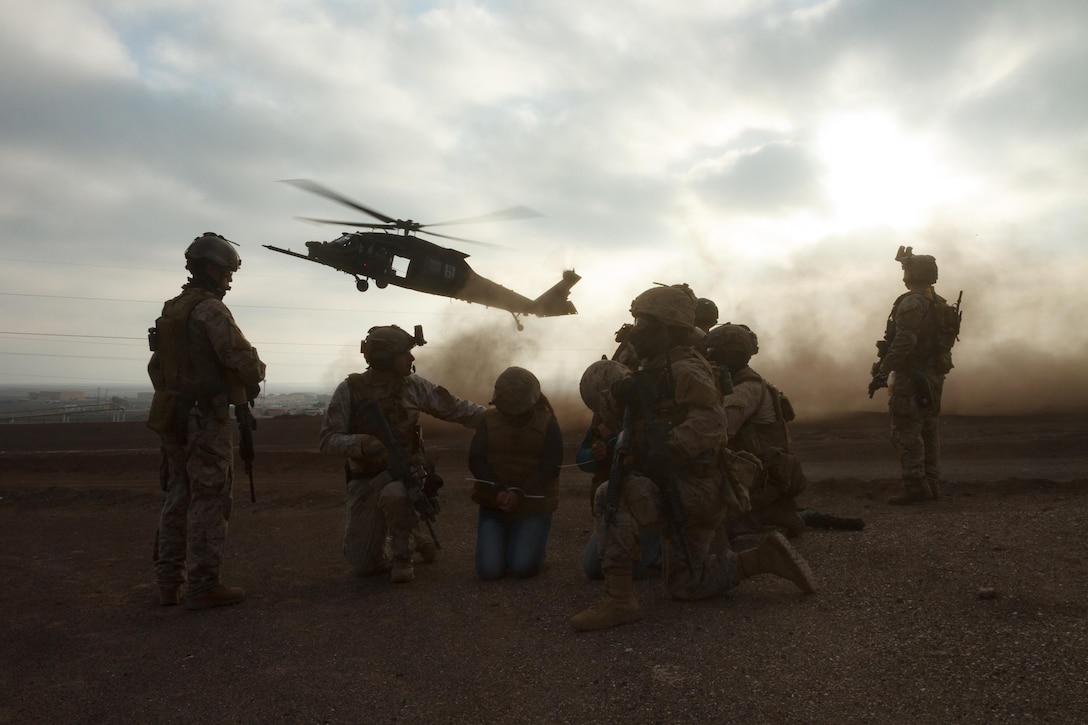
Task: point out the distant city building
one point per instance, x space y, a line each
62 395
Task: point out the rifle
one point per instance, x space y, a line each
616 473
423 496
246 425
815 519
661 471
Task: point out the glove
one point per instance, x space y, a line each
374 452
431 483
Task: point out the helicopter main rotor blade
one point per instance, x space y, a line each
514 212
315 188
338 222
462 239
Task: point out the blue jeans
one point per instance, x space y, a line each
505 542
648 541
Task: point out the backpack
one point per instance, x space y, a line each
948 318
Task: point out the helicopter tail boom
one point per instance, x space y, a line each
556 300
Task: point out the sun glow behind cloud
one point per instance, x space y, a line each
879 174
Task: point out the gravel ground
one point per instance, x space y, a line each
971 609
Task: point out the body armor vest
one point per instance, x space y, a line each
189 363
364 391
514 450
665 414
932 344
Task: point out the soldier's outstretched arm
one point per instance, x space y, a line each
442 404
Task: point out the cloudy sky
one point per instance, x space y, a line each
773 154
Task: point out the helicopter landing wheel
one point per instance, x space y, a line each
362 285
382 282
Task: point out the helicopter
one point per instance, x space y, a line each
405 260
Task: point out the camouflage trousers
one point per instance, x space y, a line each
640 508
915 431
378 508
197 478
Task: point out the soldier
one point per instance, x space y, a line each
706 315
377 504
595 456
515 458
915 356
672 481
757 413
202 364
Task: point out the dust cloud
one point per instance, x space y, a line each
467 360
818 315
1021 349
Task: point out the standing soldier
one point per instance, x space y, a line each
915 355
378 503
670 480
202 364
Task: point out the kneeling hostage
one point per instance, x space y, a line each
514 459
667 475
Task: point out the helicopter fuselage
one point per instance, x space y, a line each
398 259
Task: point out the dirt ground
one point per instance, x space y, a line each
970 609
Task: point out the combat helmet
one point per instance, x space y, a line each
921 269
516 391
731 338
384 343
918 268
706 312
673 306
214 248
597 380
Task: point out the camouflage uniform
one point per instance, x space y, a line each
198 469
698 431
675 441
376 504
915 400
756 423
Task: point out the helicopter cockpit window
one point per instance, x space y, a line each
399 266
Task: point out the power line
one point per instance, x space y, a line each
233 305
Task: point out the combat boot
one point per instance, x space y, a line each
617 606
774 555
402 572
783 514
170 596
914 491
934 486
427 550
217 596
